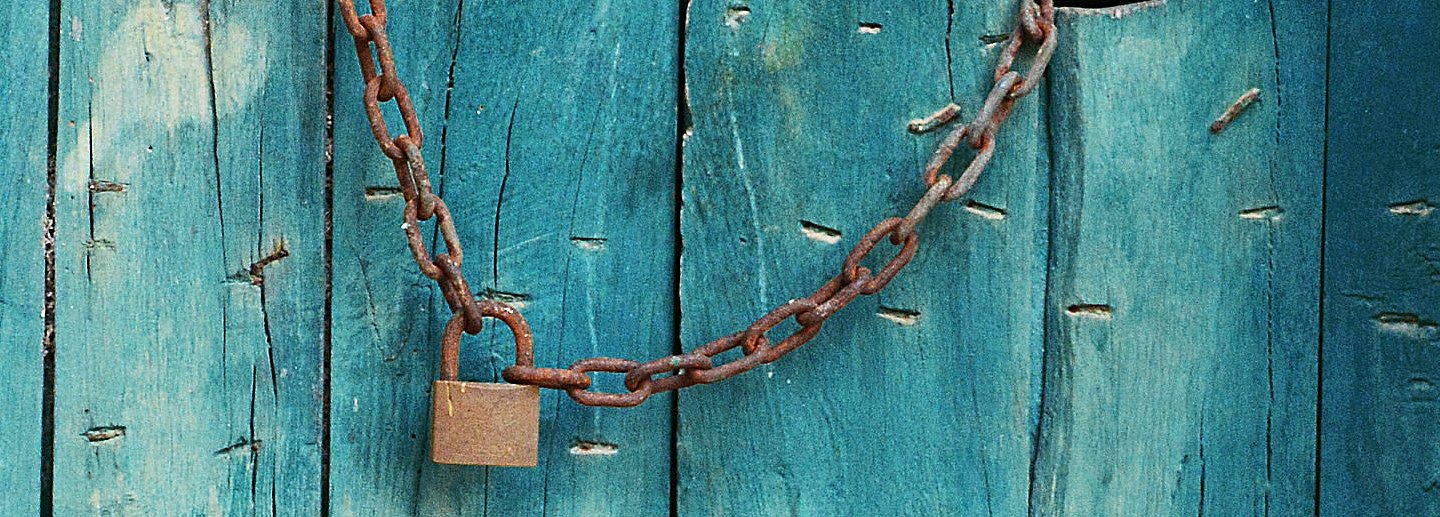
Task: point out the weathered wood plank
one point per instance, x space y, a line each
384 343
580 171
1182 291
1300 36
1379 446
188 367
556 152
920 401
24 82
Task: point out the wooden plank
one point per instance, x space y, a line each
1379 447
556 153
1301 39
24 31
384 340
1300 30
580 172
188 367
1181 346
921 400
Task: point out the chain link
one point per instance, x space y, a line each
1035 25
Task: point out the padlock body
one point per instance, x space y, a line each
482 423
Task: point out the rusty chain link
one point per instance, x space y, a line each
1035 25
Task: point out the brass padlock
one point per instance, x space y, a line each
484 423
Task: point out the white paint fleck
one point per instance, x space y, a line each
1265 212
903 317
594 449
819 233
985 211
736 15
1408 325
1090 310
1417 208
588 243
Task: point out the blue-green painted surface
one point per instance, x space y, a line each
190 146
799 119
1125 319
556 152
23 83
383 351
1379 452
1180 352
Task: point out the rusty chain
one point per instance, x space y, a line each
1035 25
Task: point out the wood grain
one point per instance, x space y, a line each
385 337
551 134
188 381
25 80
1379 449
1180 352
921 400
1124 318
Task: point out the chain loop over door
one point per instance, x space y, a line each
1035 25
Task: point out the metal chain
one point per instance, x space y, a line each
1035 26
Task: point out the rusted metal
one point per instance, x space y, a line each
482 423
939 118
1029 24
908 246
1237 107
989 115
753 339
921 210
851 290
419 176
1034 27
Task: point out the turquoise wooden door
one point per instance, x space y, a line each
208 306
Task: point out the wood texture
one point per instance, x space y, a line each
385 339
1124 320
919 401
187 380
24 82
551 133
1180 352
1379 449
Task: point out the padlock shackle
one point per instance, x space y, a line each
450 341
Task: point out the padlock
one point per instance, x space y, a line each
484 423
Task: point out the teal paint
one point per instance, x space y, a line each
186 154
24 30
799 117
1144 215
565 131
1192 391
1299 35
575 155
384 334
1378 451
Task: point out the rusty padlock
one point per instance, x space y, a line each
484 423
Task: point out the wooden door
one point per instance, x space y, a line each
208 306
